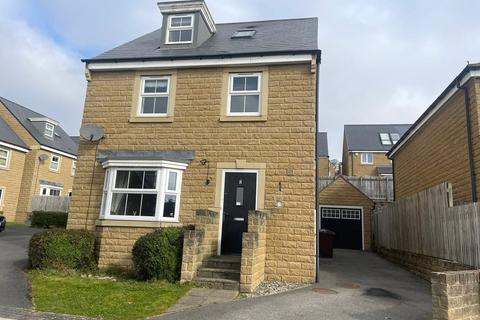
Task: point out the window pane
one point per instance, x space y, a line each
118 204
3 154
3 162
133 204
174 36
162 86
186 21
122 180
186 35
161 105
169 206
44 191
239 196
148 104
149 203
150 180
237 104
172 181
251 103
149 86
176 22
239 83
136 180
252 83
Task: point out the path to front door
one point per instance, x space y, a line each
240 190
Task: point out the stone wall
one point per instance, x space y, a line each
200 243
455 295
419 264
252 271
10 181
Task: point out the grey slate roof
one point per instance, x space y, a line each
274 36
322 144
76 140
366 137
7 135
61 140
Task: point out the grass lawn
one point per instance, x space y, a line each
106 299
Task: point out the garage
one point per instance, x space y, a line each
346 222
347 211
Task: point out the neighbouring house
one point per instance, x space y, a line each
211 124
324 166
37 157
443 145
365 147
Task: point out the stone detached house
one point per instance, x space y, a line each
325 167
37 157
365 147
443 145
211 124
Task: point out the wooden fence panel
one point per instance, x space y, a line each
50 204
424 223
376 188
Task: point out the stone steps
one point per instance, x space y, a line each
219 272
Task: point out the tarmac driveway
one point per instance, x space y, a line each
13 261
353 285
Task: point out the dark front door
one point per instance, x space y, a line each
347 225
239 197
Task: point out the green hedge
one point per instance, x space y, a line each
158 255
49 219
63 250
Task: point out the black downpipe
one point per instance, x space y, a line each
473 175
317 224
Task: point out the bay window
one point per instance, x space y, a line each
142 193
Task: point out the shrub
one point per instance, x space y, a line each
158 255
62 250
49 219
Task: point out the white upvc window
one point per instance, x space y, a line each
2 195
49 129
154 96
385 139
74 168
55 163
50 191
245 94
367 158
142 193
4 158
180 29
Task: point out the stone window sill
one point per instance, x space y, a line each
168 119
135 224
262 118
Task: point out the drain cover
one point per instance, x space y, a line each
323 291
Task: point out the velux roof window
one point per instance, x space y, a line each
389 138
244 33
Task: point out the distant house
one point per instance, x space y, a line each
443 145
324 166
37 157
365 147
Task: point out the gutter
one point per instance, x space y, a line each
317 218
471 160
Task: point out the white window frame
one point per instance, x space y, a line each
7 159
59 163
2 195
160 190
365 160
74 168
244 93
153 95
385 139
49 129
181 28
48 188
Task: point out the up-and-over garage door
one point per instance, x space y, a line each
346 222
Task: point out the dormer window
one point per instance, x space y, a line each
49 130
180 29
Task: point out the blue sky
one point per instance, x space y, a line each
384 61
